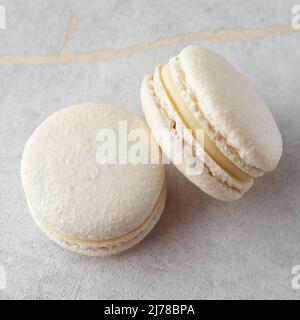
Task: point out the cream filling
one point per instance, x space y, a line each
191 123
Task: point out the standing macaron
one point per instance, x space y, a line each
83 202
200 90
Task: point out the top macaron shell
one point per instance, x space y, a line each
69 191
237 114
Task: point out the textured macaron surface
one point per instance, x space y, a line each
71 192
232 107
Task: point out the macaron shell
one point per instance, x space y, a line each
232 107
69 190
207 182
109 247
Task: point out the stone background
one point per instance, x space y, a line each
57 53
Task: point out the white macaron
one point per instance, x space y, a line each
200 90
81 202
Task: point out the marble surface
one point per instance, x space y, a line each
54 54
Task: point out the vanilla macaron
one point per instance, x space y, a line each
85 203
199 90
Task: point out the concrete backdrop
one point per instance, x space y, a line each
57 53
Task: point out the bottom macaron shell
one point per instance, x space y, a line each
107 247
206 181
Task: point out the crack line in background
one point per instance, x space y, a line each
219 35
72 26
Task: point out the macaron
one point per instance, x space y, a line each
79 192
199 90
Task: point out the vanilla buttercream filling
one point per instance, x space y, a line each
193 124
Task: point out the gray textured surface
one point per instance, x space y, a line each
53 54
